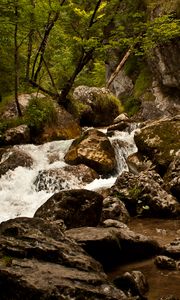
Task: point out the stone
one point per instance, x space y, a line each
165 262
114 209
99 106
55 180
112 246
37 261
13 158
159 141
133 281
144 195
173 249
93 149
121 117
76 208
17 135
172 178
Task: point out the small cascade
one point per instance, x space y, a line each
20 196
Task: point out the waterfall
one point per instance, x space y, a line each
18 193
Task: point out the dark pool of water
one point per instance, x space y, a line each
161 282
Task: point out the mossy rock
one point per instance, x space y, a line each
159 140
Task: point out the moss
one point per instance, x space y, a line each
6 261
135 192
143 82
132 105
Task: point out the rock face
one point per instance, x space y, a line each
99 106
14 158
94 150
165 63
37 261
159 141
54 180
111 246
17 135
75 207
143 195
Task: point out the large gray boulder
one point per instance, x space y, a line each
93 149
68 177
98 106
13 158
159 141
144 195
75 207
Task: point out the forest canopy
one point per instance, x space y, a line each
53 45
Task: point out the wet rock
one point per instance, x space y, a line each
143 195
55 180
37 238
17 135
115 209
111 246
137 163
37 261
159 141
76 207
99 106
114 223
169 297
172 178
93 149
165 262
121 126
32 279
121 117
134 282
173 249
13 158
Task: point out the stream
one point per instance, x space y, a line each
19 197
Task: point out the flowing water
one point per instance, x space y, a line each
18 194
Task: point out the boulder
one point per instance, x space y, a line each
64 128
99 106
114 209
93 149
75 207
120 126
165 262
172 178
37 261
17 135
159 141
13 158
134 282
112 246
55 180
173 249
143 195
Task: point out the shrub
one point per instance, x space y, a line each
40 112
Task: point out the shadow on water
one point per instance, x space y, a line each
161 282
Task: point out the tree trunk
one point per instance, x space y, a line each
84 59
16 61
30 43
119 67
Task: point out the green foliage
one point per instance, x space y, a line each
131 105
40 112
142 82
